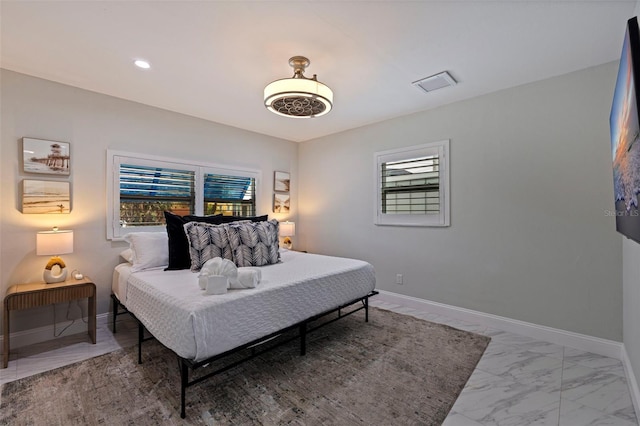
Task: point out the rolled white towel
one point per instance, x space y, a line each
258 271
247 278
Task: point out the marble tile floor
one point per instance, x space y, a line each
519 381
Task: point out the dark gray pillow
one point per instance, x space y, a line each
254 243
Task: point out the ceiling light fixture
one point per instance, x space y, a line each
298 96
141 63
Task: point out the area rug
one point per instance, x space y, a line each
393 370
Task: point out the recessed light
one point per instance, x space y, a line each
141 63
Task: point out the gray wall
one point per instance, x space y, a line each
92 123
530 177
530 183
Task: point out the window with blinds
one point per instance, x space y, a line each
412 186
146 192
141 188
229 195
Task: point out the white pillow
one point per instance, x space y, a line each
127 255
150 249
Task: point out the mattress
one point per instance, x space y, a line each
120 281
196 326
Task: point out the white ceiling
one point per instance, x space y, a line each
212 59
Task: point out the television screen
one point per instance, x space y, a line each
625 132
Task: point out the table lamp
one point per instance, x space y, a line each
287 230
55 242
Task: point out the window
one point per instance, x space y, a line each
141 188
229 195
146 192
412 185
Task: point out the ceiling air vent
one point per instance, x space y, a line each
435 82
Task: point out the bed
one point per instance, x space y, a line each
292 295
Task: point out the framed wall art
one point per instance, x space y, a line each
48 157
281 203
281 181
45 197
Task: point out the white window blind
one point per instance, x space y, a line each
146 192
232 195
412 186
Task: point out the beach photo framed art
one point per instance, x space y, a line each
281 203
281 181
45 197
44 156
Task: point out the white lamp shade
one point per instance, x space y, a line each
54 242
287 229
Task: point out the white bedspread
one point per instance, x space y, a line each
196 326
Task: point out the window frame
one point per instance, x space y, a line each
442 219
116 157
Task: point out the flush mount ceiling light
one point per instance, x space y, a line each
298 96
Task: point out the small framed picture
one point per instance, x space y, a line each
48 157
281 181
45 197
281 203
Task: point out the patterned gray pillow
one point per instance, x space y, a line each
254 243
206 241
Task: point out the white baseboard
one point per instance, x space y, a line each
42 334
604 347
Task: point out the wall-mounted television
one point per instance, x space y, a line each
625 136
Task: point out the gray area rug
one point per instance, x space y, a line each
394 370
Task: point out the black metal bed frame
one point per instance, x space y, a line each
254 346
116 310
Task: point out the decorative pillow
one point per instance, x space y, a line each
214 219
127 255
229 219
254 243
178 243
150 250
207 241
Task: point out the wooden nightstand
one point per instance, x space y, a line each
31 295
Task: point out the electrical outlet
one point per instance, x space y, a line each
399 279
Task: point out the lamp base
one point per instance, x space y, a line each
287 243
48 274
